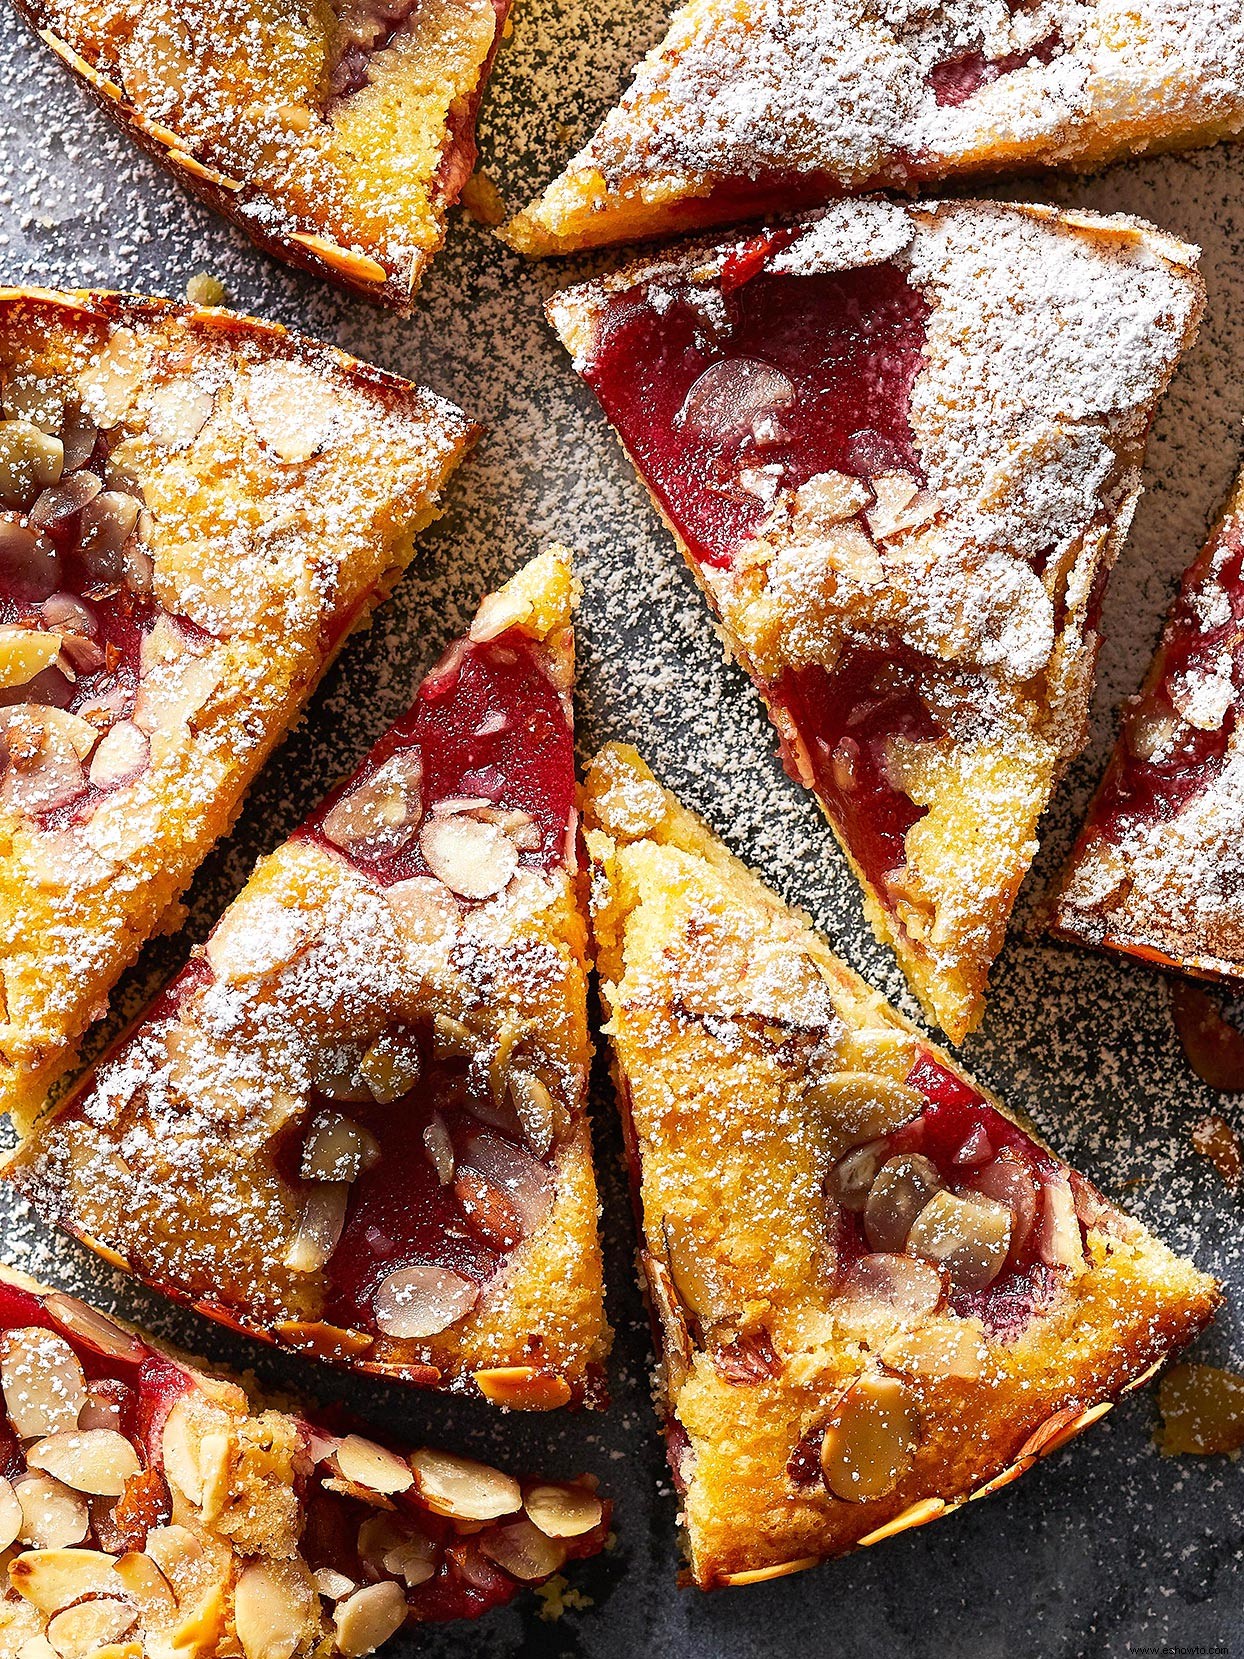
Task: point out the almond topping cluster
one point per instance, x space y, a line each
118 1532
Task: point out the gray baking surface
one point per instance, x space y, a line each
1106 1549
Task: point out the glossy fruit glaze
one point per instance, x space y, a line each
823 370
487 724
963 1135
1144 790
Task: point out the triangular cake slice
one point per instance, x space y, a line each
152 1510
195 509
1158 870
336 135
876 1294
355 1124
750 107
900 449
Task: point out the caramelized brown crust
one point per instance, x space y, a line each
1156 871
349 177
174 1158
748 1057
283 484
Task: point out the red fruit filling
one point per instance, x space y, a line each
845 719
805 374
782 378
959 1187
956 79
487 739
1164 760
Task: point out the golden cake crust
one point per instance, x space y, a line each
753 106
173 1158
1156 871
351 184
744 1051
1029 411
283 484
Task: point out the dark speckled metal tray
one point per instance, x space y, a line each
1108 1548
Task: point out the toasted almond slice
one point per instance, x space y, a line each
462 1488
762 1575
177 412
475 860
1058 1230
293 409
98 1461
10 1515
275 1607
367 1618
860 1106
440 1148
392 1066
55 1578
422 1301
331 1584
42 1380
967 1234
534 1105
367 1464
451 1038
564 1511
523 1550
145 1584
90 1625
122 753
101 1334
906 1284
379 815
319 1228
359 267
109 385
523 1387
869 1440
25 652
499 612
53 1516
337 1149
387 1544
179 1451
830 498
335 1342
915 1515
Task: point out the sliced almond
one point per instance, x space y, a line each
11 1515
145 1585
98 1461
903 1186
392 1066
969 1235
523 1550
1058 1236
422 1301
907 1285
121 755
451 1038
367 1618
53 1516
464 1489
830 498
42 1380
274 1608
101 1334
498 613
320 1227
440 1148
861 1106
388 1545
379 816
901 504
868 1442
55 1578
109 385
474 859
337 1149
294 410
178 412
30 460
367 1464
331 1584
91 1625
25 652
534 1105
522 1387
563 1511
